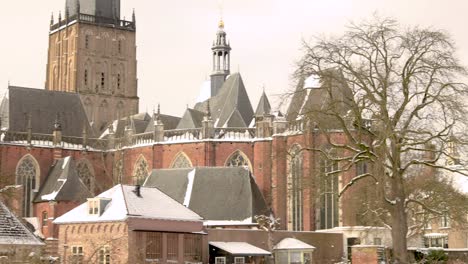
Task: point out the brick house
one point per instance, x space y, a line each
129 224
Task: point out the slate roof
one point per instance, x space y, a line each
191 119
63 184
124 203
231 97
215 193
312 95
44 106
13 231
264 106
140 123
170 122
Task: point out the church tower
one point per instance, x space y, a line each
221 60
92 52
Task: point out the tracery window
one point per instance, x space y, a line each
295 190
27 175
141 171
329 183
85 174
181 161
238 159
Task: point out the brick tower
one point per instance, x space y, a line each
92 52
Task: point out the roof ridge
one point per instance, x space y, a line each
124 197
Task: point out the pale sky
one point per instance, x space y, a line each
174 39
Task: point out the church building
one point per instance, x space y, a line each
83 134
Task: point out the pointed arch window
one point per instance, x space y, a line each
181 161
140 171
238 159
295 189
27 175
328 192
86 175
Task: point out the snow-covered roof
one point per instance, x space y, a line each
13 231
312 82
63 183
240 248
436 235
221 195
292 243
124 203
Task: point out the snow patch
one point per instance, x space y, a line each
312 82
65 162
188 193
53 195
247 221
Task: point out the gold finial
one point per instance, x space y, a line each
221 23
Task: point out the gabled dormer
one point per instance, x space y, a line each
96 206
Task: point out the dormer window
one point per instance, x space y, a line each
96 206
93 207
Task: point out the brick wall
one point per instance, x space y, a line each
92 237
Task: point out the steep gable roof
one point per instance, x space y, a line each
215 193
191 119
44 106
13 231
263 106
232 96
170 122
235 120
63 184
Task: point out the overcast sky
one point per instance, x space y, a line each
174 38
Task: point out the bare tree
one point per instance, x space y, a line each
394 93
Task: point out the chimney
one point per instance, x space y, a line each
137 190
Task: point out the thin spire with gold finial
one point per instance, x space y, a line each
221 23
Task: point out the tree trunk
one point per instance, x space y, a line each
399 224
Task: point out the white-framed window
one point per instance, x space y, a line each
445 220
104 255
93 207
239 260
77 255
220 260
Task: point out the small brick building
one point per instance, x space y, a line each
129 224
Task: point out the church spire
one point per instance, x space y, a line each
221 59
